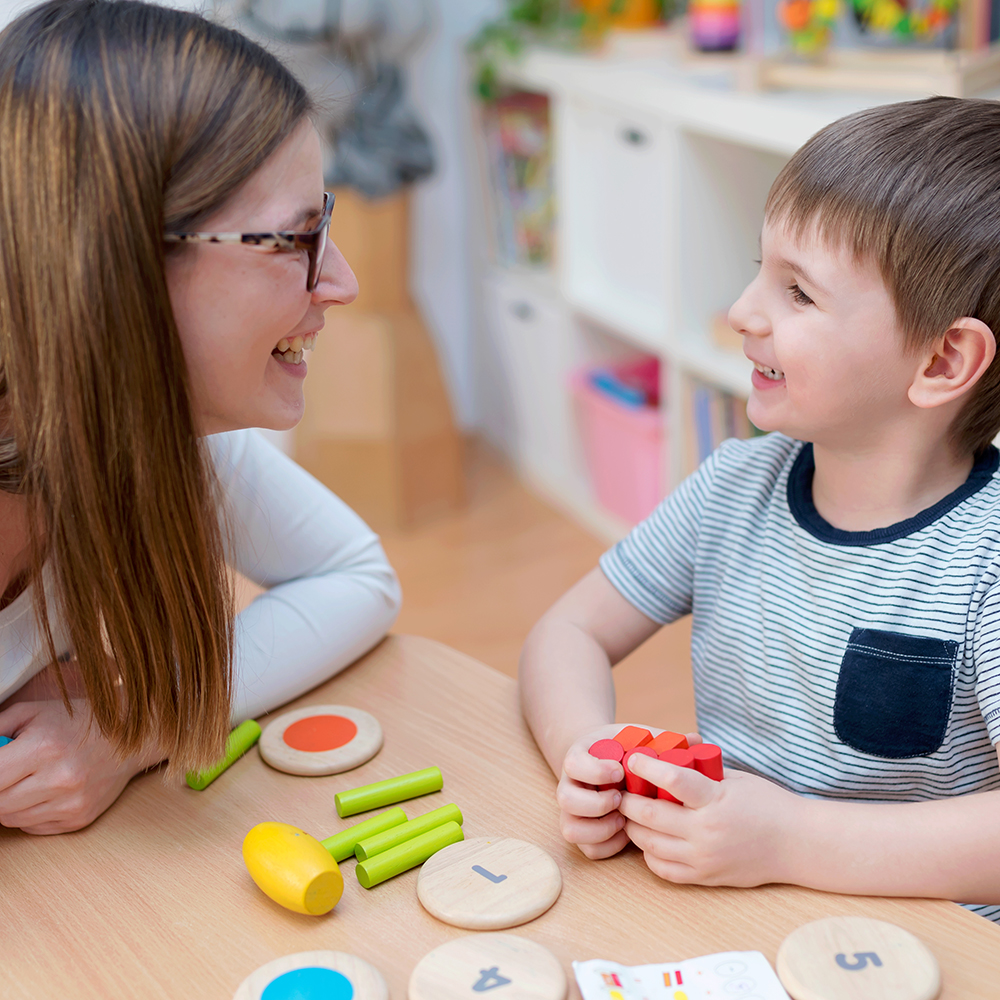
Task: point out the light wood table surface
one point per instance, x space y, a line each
153 900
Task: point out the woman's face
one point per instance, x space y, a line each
235 303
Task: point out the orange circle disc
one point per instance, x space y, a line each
319 733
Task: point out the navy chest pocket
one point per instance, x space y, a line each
894 693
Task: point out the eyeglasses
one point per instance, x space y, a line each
313 241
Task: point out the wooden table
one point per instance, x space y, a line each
153 900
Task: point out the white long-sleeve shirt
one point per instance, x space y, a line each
330 591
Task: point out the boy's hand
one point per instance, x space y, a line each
731 832
588 817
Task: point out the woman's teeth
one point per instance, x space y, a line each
290 349
771 373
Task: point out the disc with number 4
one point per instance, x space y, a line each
518 969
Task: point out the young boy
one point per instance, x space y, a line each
843 572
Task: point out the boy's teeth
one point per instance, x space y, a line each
771 373
292 357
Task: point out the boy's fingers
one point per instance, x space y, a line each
663 845
580 766
581 830
597 852
693 739
580 800
684 783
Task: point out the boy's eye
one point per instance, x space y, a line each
800 296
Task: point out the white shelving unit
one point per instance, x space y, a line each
661 174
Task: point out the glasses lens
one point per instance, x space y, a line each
316 258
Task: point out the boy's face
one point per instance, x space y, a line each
829 359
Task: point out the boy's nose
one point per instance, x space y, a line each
745 318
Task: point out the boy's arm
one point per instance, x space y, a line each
565 670
947 848
746 831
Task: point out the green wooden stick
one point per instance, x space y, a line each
388 792
407 855
341 845
244 736
368 847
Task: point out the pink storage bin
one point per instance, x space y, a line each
622 444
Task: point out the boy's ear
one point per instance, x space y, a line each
954 364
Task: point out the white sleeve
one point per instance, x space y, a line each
331 593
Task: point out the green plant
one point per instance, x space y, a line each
559 22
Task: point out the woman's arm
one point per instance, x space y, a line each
330 592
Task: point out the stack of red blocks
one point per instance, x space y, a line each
705 758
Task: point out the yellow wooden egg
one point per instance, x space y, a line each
292 868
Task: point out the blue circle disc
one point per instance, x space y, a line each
309 984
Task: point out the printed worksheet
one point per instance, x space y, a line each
731 975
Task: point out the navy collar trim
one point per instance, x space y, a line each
800 502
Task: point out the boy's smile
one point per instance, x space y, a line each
821 329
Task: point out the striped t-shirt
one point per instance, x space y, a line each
857 665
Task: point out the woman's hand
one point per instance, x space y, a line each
59 773
589 817
732 832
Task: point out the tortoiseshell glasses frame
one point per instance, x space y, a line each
313 241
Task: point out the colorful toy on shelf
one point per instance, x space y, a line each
714 25
905 19
244 736
809 24
706 758
321 739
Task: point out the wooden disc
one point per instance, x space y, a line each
321 739
486 884
314 975
477 964
857 958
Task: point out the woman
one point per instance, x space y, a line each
135 351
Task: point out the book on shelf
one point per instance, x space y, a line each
710 416
517 142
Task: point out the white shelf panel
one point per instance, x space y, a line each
725 369
705 102
644 328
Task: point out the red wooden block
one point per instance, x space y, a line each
633 783
708 760
632 736
682 758
668 741
608 750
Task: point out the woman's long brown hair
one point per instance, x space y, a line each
120 120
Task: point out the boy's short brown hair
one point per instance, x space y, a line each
914 187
